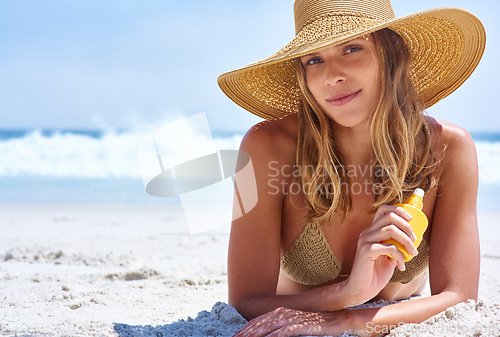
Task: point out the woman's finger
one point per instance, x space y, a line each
396 216
391 226
390 231
374 251
386 209
394 252
406 227
267 323
283 322
305 323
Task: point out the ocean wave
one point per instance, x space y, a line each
115 154
66 154
488 156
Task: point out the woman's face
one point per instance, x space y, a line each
345 80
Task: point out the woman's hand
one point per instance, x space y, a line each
289 322
372 267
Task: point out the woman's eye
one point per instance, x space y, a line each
314 60
352 49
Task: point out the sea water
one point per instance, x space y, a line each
95 166
79 166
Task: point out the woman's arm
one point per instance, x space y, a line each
454 243
454 247
454 260
254 245
362 322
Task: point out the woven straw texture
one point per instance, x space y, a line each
446 45
310 259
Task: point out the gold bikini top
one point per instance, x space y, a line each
311 261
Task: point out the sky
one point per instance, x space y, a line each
116 64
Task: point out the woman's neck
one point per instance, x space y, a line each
354 144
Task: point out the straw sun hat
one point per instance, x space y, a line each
446 45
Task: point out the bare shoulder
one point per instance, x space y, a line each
458 172
450 139
274 138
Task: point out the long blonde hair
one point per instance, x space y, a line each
399 131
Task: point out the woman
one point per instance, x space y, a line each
346 140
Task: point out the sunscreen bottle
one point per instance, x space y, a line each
418 222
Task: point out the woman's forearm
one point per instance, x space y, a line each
328 298
377 321
362 322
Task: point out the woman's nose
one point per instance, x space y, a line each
334 74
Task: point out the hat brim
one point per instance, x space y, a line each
446 45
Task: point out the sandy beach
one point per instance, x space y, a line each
124 270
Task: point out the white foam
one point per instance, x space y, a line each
488 156
114 154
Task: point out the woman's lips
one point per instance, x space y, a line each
343 98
